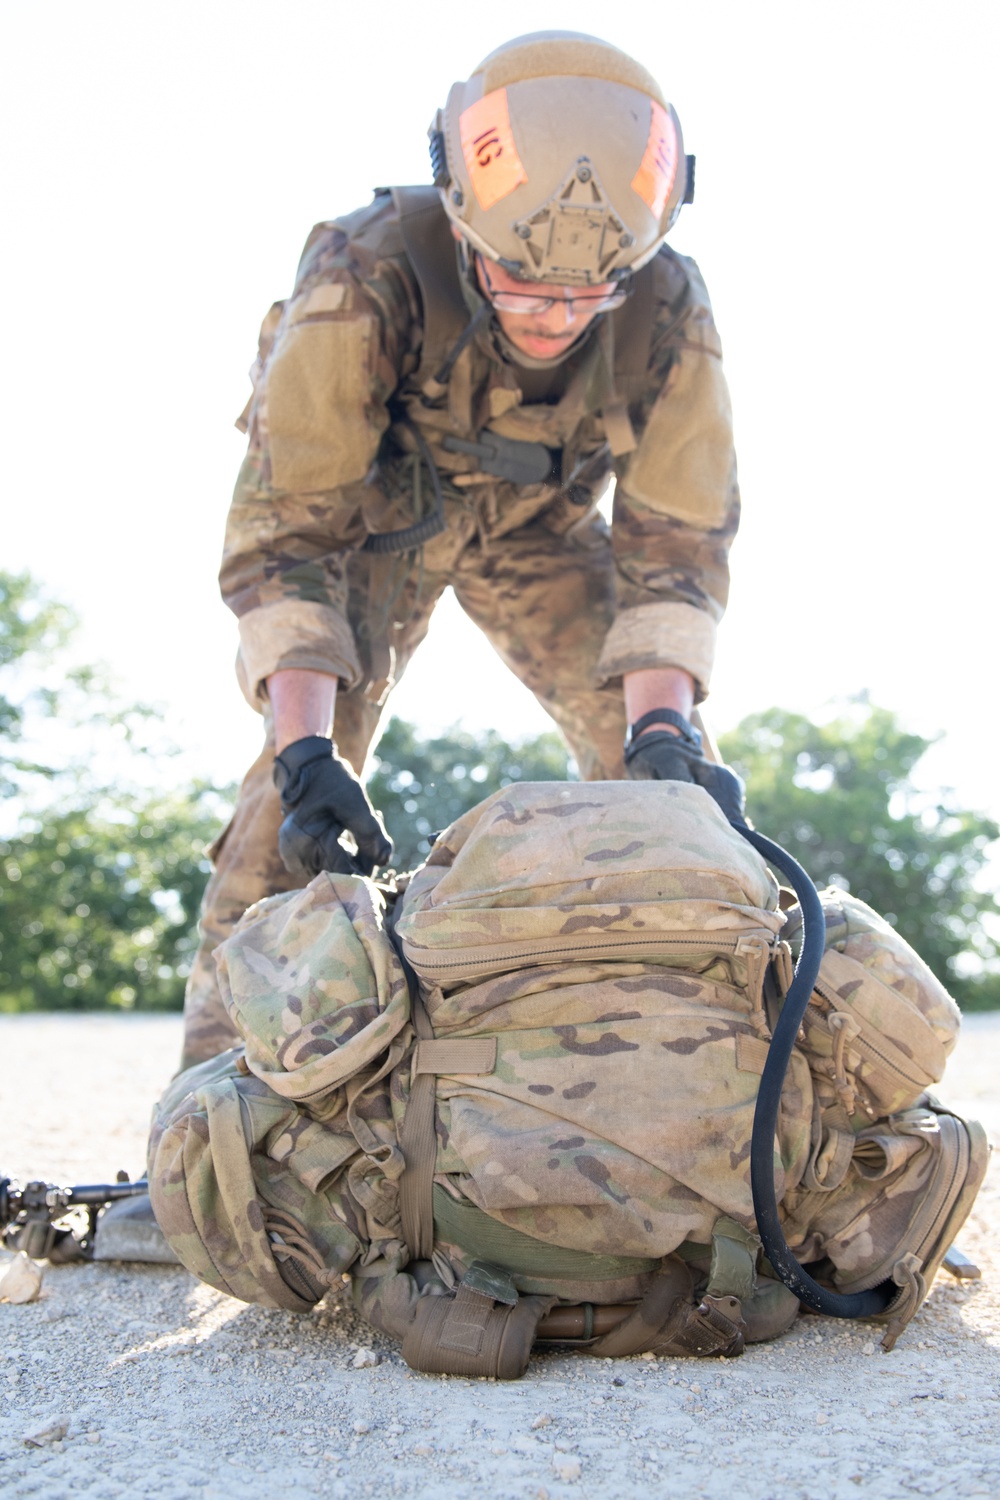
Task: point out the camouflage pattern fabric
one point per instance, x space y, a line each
568 604
544 602
347 344
625 947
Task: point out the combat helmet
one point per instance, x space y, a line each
561 159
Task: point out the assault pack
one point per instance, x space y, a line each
514 1100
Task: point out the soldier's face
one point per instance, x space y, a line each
544 332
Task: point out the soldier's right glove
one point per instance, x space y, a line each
321 797
678 757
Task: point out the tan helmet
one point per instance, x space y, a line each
561 159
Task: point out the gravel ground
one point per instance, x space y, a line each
175 1391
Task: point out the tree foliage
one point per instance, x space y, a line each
421 785
100 902
102 870
842 798
100 876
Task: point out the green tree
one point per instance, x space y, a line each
100 876
421 785
841 797
35 628
100 902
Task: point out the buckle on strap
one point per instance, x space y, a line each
715 1326
512 459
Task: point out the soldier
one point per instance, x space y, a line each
442 401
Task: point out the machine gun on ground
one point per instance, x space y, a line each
39 1217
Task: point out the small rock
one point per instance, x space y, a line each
498 1450
567 1469
333 1458
868 1348
543 1419
365 1359
53 1432
362 1427
22 1282
422 1450
93 1437
648 1355
821 1418
541 1493
696 1389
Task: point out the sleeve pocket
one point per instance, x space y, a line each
323 432
684 465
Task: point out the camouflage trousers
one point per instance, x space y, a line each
545 603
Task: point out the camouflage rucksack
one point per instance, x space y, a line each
545 1133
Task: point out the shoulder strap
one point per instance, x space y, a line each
633 335
431 250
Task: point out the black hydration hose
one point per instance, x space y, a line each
407 538
765 1120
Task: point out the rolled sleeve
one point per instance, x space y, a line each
660 635
294 633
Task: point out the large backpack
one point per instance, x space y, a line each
543 1131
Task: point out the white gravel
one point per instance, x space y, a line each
169 1389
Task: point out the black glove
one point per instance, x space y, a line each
671 757
321 797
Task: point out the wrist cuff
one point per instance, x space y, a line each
688 734
299 754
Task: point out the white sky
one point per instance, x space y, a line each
164 164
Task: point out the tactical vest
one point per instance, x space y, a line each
565 447
543 1134
431 248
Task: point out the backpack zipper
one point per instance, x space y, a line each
867 1048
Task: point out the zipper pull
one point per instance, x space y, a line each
757 953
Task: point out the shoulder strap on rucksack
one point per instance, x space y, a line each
431 249
632 325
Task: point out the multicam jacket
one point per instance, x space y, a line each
350 361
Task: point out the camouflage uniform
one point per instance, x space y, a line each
345 371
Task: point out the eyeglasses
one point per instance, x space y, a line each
531 302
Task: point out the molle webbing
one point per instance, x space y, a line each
418 1137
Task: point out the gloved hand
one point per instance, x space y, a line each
661 756
321 797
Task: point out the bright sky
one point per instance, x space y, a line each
164 164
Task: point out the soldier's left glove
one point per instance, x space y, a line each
321 797
678 757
